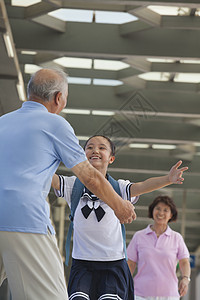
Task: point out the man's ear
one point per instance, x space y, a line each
57 98
112 158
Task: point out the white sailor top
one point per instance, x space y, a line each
93 239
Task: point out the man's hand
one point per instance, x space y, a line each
126 214
175 174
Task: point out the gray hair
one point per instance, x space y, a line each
45 86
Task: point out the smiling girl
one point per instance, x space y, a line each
99 268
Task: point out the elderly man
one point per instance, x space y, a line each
34 140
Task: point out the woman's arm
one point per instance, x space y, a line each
185 272
154 183
132 266
55 182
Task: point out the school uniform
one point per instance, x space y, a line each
99 268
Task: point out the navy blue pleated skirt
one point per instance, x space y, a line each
95 280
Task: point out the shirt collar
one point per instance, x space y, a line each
34 105
148 230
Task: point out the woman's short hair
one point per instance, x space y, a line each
112 145
167 201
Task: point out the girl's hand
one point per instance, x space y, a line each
175 174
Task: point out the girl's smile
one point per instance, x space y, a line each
98 153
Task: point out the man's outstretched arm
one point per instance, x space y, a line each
100 186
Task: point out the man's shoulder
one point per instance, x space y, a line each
57 119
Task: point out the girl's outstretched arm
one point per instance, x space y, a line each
154 183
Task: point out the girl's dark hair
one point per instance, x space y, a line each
112 145
169 202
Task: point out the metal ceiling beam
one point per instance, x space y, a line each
170 22
42 8
2 22
134 127
128 72
138 62
98 97
91 3
147 15
173 86
101 40
39 13
181 22
99 5
51 22
175 67
137 83
131 27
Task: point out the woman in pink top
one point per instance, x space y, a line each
156 251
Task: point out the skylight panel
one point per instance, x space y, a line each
113 17
161 60
170 10
101 64
28 52
24 3
74 62
79 80
155 76
83 138
108 82
102 113
20 88
163 147
9 45
188 61
196 144
86 63
73 15
75 111
139 146
88 16
187 77
30 68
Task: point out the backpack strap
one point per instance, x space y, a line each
75 197
115 185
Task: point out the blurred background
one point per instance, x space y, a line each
134 73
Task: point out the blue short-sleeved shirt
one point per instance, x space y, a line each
32 144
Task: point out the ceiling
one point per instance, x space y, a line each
162 111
